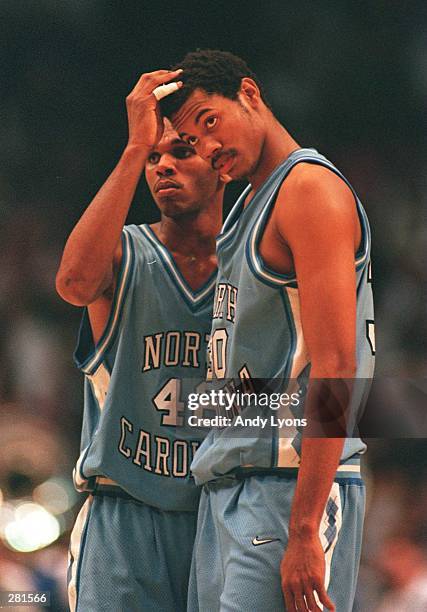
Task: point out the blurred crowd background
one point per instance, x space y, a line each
348 78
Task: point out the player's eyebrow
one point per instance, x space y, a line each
174 142
200 113
196 119
179 141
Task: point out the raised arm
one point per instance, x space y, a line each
93 250
317 219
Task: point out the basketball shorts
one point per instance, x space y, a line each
242 534
128 556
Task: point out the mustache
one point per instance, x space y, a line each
221 157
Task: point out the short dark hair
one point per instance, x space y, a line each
216 72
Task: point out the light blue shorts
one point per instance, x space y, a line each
126 556
242 534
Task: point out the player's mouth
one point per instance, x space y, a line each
166 187
224 162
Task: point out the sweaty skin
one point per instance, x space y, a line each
243 139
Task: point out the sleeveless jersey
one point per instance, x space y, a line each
257 334
135 377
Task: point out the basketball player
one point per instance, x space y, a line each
280 518
148 292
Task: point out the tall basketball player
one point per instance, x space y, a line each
280 519
147 292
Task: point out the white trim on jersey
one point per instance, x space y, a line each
300 358
284 279
99 350
230 222
287 455
75 551
100 382
365 231
255 257
324 523
348 468
80 482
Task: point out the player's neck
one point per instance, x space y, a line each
193 234
277 146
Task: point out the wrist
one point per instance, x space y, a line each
304 530
136 151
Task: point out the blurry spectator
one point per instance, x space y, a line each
404 567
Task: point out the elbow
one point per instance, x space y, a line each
339 364
74 291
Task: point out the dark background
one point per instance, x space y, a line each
346 77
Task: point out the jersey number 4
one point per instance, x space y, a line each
168 401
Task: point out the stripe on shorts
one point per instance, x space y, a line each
76 550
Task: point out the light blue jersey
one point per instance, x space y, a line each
257 334
135 376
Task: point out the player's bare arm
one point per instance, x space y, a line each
316 219
92 253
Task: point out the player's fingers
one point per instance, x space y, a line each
150 80
311 601
165 90
300 601
154 79
289 599
324 598
165 78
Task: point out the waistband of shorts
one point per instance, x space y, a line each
346 474
105 486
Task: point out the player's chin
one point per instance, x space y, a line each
174 208
239 170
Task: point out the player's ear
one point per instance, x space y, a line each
249 90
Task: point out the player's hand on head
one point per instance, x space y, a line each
303 573
144 117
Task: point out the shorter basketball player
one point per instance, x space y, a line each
147 292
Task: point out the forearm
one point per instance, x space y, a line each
88 255
326 408
303 565
319 461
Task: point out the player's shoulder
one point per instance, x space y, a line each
139 237
314 188
306 178
312 201
133 230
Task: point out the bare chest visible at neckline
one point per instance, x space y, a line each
196 270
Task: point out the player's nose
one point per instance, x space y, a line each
208 148
166 165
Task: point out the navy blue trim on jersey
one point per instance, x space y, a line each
362 277
239 209
262 279
89 355
256 263
193 299
292 348
232 219
241 473
363 250
350 481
